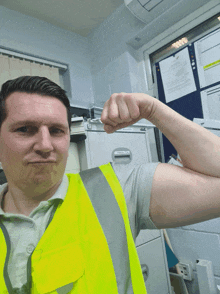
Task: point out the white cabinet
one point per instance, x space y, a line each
151 252
100 148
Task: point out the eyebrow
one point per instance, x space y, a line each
30 122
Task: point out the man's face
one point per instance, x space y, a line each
36 129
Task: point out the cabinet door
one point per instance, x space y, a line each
151 254
147 235
100 146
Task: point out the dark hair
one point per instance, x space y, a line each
32 85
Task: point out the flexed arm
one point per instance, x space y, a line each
179 196
198 148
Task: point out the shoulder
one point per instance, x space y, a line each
134 173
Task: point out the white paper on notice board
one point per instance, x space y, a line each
207 52
211 102
177 76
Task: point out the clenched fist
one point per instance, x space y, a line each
124 109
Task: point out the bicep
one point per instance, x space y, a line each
180 197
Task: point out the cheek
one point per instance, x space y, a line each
13 151
17 147
11 157
62 146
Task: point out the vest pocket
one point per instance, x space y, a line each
58 268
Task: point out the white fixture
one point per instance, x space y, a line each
142 8
206 278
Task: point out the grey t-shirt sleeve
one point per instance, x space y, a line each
136 184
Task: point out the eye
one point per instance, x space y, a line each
26 130
57 131
31 129
22 129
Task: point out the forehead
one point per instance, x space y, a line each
34 106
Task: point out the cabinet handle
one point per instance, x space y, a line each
122 155
145 271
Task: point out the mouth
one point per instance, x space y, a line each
42 162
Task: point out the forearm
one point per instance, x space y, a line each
198 148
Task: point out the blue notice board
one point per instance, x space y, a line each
189 106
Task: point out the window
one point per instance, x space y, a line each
192 35
13 65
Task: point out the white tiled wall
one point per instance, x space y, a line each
123 74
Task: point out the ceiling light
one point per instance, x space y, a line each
180 43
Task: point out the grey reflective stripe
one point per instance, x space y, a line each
65 289
112 223
6 275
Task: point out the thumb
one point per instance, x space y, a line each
110 129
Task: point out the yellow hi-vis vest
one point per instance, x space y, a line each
87 247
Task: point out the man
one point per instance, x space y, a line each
75 233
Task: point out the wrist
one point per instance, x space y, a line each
151 108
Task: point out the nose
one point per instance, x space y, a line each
43 140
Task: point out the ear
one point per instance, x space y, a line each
0 147
0 156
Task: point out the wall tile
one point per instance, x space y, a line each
211 226
121 85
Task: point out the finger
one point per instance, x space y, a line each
113 109
124 113
133 108
118 110
110 129
105 115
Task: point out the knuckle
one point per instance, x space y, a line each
113 116
125 117
112 97
135 114
103 119
129 97
119 97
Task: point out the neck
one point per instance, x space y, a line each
20 202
